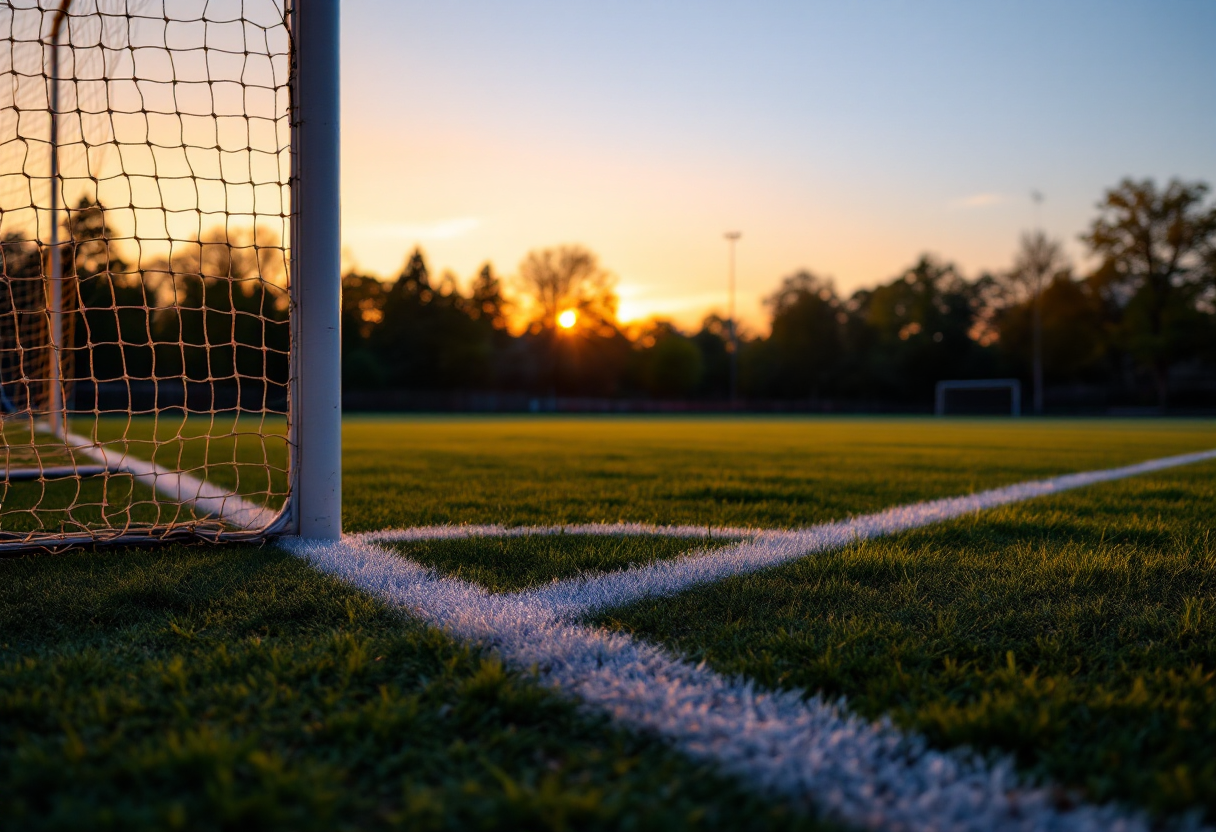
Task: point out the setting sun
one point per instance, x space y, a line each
567 319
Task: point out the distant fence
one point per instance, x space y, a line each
168 395
408 401
255 395
1060 401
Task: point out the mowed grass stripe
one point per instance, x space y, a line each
1077 632
233 687
712 471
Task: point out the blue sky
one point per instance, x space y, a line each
845 138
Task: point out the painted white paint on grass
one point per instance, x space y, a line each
810 751
420 533
185 489
760 549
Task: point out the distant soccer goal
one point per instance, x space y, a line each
979 396
155 206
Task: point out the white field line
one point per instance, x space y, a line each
811 751
419 533
179 487
864 773
760 549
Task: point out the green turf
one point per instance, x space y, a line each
1078 632
773 472
228 687
506 564
210 688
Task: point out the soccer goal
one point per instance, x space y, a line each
169 300
983 387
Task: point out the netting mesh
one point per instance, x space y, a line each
145 165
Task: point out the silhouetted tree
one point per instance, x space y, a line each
592 357
408 326
568 277
114 338
669 364
1155 245
920 327
23 322
432 337
712 340
1074 341
486 301
803 354
363 299
223 317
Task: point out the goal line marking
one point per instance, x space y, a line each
811 750
202 496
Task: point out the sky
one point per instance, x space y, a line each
846 138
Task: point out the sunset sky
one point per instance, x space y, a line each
846 138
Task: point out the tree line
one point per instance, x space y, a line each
211 311
1138 327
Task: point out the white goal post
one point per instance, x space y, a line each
318 244
1011 384
169 271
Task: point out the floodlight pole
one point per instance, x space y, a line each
317 271
57 412
732 238
1037 322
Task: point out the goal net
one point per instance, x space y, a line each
146 299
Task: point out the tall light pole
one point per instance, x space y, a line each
1037 322
732 237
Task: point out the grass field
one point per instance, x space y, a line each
1078 632
202 687
775 472
232 688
